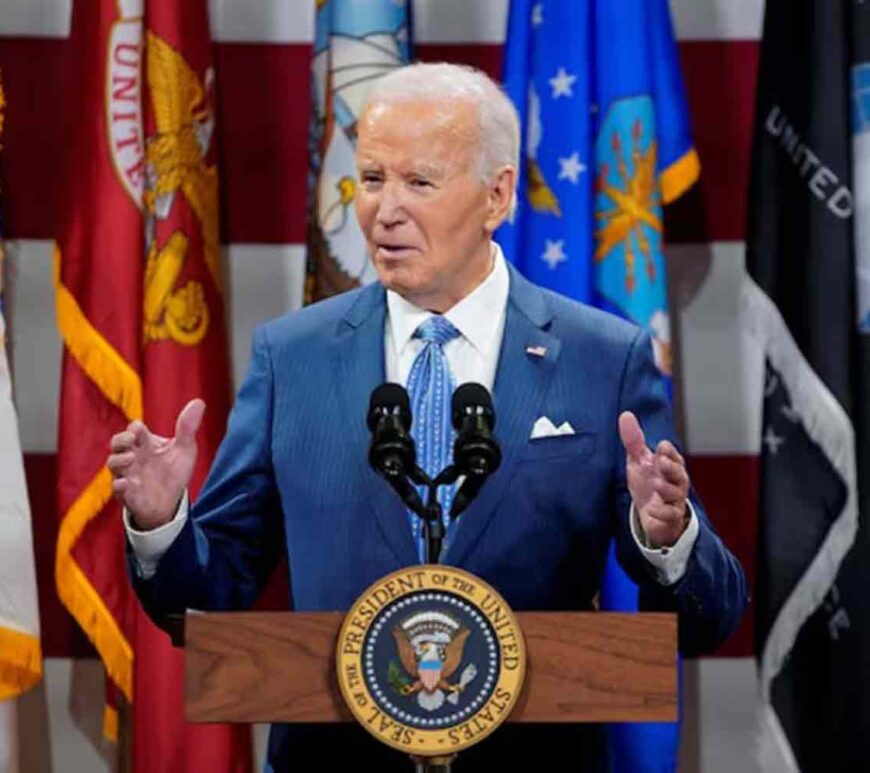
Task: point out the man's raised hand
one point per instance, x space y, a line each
657 481
151 472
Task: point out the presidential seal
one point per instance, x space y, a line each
430 660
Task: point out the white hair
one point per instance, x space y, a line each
499 138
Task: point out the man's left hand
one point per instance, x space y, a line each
658 483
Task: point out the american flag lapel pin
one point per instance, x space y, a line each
536 351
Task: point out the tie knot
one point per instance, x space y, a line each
436 330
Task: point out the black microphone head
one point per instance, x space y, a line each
476 451
472 399
390 399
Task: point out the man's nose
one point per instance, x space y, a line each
391 210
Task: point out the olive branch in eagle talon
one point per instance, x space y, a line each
636 201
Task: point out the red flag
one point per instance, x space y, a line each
140 311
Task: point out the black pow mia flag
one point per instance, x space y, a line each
806 301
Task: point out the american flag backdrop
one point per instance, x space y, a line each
262 53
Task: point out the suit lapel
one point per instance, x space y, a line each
521 383
358 362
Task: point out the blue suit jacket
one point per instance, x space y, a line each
292 474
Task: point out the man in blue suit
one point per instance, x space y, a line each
583 423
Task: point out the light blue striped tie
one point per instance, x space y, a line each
430 385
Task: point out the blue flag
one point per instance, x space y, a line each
606 142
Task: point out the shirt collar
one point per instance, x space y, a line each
476 316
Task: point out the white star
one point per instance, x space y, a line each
402 34
571 168
562 84
554 254
538 15
772 441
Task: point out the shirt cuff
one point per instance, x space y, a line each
669 563
149 546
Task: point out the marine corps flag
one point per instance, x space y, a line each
140 311
806 303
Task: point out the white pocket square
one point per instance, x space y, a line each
543 427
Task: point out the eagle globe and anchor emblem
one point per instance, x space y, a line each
430 661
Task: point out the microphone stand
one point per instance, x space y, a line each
395 461
431 512
433 533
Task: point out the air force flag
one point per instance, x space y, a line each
605 142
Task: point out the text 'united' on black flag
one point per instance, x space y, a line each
806 301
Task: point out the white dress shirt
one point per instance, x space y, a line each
479 318
473 356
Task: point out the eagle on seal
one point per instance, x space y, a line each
431 656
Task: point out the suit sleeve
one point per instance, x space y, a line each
234 536
711 596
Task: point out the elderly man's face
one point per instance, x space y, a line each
426 214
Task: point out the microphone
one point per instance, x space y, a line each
476 452
391 453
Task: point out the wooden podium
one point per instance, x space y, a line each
280 667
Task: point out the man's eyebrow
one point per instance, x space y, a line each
426 170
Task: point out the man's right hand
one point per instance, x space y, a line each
151 472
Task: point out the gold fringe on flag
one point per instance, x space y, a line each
122 386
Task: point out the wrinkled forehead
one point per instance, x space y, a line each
430 130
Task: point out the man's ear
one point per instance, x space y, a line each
500 195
